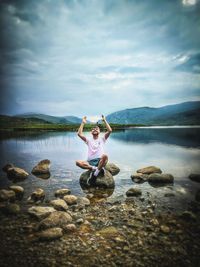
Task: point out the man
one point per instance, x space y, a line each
97 159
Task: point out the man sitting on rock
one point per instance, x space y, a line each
97 159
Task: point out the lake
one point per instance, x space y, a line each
175 150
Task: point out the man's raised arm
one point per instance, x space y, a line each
80 130
109 129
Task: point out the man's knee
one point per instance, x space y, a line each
104 157
78 163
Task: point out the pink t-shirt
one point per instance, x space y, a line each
95 147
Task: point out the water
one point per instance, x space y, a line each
174 150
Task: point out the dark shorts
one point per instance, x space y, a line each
94 162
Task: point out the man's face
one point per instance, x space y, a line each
95 131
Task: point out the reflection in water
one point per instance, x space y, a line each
187 137
44 176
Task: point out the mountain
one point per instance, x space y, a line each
51 119
187 113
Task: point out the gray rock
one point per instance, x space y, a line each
195 177
103 180
139 177
70 199
19 191
62 192
37 195
112 168
16 174
7 195
161 178
83 201
40 212
149 170
42 167
50 234
55 219
59 204
134 192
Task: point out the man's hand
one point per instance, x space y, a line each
103 118
84 120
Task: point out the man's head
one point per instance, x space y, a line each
95 131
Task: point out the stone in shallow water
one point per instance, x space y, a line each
160 178
134 192
19 191
16 174
7 195
112 168
59 204
37 195
42 167
103 180
62 192
195 177
40 212
55 219
139 177
149 170
50 234
70 199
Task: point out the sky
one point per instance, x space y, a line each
91 57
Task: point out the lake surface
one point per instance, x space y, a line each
174 150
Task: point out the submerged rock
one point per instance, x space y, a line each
59 204
195 177
112 168
55 219
139 177
149 170
19 191
70 199
62 192
40 212
103 180
50 234
37 195
134 192
160 178
42 167
7 195
15 174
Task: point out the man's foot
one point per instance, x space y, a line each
96 173
89 180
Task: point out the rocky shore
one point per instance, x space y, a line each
95 230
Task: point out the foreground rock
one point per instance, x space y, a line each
62 192
40 212
112 168
10 209
195 177
103 180
19 191
55 219
134 192
42 167
70 199
160 178
50 234
59 204
149 170
37 195
7 195
15 174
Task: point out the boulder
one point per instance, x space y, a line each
112 168
83 202
134 192
19 191
62 192
69 227
103 180
55 219
139 177
49 234
37 195
40 212
70 199
16 174
149 170
59 204
160 178
7 195
42 167
195 177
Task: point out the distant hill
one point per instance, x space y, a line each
187 113
51 119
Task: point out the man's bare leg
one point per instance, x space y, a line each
84 165
102 163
